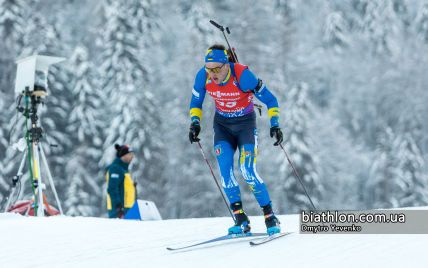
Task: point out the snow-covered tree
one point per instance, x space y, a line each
397 177
12 23
380 25
336 32
410 171
196 36
4 183
12 14
84 193
203 34
148 52
289 193
383 185
132 112
38 36
422 22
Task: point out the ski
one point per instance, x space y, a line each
268 239
217 239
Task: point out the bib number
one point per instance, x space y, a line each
229 104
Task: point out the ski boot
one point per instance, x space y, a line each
242 223
271 221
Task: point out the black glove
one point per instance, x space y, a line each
195 128
276 131
120 211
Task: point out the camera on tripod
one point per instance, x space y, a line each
31 86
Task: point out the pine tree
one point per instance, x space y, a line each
132 111
289 192
4 182
401 9
380 25
335 32
12 15
422 22
284 16
397 176
27 36
410 171
383 186
84 125
189 168
41 37
196 17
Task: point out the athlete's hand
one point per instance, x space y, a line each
277 133
195 128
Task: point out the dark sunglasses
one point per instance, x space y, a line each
215 70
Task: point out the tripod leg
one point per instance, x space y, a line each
45 164
18 175
38 178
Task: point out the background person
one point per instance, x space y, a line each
121 192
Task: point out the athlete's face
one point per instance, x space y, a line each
217 71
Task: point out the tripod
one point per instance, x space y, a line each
33 153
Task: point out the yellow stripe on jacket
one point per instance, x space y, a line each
109 206
129 191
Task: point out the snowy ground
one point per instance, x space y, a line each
97 242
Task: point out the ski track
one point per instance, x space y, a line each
95 242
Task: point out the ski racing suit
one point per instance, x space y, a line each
235 125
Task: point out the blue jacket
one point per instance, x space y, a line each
120 188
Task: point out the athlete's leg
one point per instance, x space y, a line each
224 152
247 163
224 148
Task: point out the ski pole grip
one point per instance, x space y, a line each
217 25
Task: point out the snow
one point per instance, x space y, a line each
98 242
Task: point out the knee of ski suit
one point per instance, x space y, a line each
247 165
224 153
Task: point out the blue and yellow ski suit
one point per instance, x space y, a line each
235 125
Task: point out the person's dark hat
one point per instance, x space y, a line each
121 150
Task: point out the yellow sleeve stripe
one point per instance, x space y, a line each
196 112
273 112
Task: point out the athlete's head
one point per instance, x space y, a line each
217 63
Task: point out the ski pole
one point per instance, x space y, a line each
297 176
215 179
